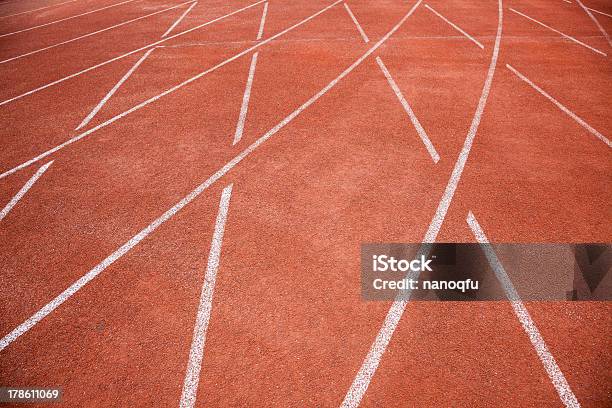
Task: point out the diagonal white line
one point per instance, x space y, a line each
592 17
560 33
379 346
132 242
417 125
194 365
65 19
166 92
600 12
456 27
262 21
178 20
41 8
359 28
245 100
548 361
571 114
76 74
24 190
114 89
93 33
247 90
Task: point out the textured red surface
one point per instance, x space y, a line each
288 327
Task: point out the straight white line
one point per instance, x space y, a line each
41 8
40 88
245 100
455 26
166 92
194 365
93 33
548 361
125 248
262 21
65 19
110 93
560 33
24 190
179 19
415 121
600 12
247 90
417 125
379 346
571 114
592 17
359 28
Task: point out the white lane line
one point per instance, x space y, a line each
151 45
110 93
245 100
600 12
599 26
571 114
66 19
41 8
455 26
417 125
173 26
194 365
24 190
262 21
125 248
379 346
548 361
359 28
158 96
560 33
247 90
93 33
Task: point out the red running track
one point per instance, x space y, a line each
328 158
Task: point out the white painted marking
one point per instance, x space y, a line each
65 19
600 12
166 92
194 365
554 372
560 33
262 21
379 346
173 26
359 28
599 26
455 26
567 1
24 190
93 33
247 90
125 248
245 100
571 114
415 121
76 74
417 125
110 93
41 8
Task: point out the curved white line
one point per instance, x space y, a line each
379 346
